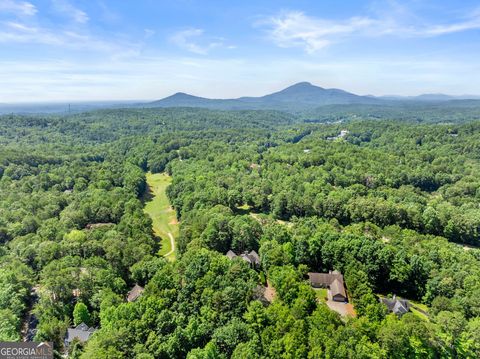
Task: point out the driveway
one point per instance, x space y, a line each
341 308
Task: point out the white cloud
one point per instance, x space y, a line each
296 29
68 9
185 39
18 7
23 33
65 36
472 23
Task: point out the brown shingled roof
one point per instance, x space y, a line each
337 288
332 280
324 279
135 293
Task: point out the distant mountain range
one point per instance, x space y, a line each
63 107
298 97
431 97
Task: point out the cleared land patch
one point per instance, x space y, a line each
164 219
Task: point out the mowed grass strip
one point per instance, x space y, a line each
163 216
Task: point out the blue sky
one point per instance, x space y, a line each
66 50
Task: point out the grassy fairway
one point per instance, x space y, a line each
163 216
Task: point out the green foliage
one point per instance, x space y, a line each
52 330
382 205
81 314
9 326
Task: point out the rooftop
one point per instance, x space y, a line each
396 305
251 257
135 293
82 332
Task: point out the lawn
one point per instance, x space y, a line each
163 216
321 294
421 306
419 314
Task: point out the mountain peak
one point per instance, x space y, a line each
181 94
301 85
301 88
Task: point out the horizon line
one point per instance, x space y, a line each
145 100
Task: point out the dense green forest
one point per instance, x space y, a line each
393 203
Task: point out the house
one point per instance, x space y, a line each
324 280
230 254
333 281
343 133
135 293
337 289
396 305
251 257
81 332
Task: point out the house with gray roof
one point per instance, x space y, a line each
81 332
231 254
252 257
396 305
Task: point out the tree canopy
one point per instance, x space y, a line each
393 205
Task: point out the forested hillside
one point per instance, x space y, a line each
393 205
